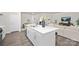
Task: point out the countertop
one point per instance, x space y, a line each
45 29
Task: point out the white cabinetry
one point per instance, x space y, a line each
32 36
41 39
47 39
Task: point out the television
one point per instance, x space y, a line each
66 19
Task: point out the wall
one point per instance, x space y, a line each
52 16
4 21
33 17
1 20
74 16
7 17
37 16
57 16
25 17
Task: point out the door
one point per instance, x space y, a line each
14 23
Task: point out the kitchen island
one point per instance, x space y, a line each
42 36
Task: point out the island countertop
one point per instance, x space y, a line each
45 29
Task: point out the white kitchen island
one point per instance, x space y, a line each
40 36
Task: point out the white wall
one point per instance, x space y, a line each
8 20
57 16
52 16
37 16
25 17
4 21
1 20
74 16
34 17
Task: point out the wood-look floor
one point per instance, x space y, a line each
19 39
63 41
16 39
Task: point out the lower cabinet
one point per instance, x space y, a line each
32 36
41 39
47 39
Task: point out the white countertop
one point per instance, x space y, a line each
44 29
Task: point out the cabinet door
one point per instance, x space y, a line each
46 39
34 38
31 34
28 33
